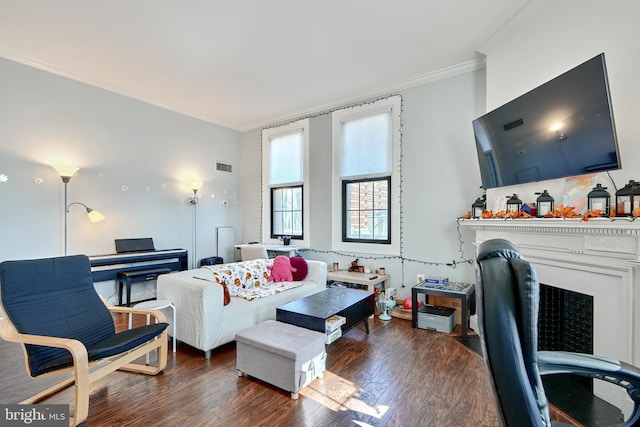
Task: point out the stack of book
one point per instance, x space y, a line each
332 328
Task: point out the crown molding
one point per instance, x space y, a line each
422 79
109 86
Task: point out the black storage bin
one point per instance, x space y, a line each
211 261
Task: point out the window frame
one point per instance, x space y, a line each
266 205
392 105
273 211
345 211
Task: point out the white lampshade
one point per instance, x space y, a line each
65 171
95 216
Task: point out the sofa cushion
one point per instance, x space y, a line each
300 264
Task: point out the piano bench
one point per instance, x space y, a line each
137 276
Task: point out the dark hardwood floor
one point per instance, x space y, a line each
395 376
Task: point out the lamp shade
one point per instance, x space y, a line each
65 171
95 216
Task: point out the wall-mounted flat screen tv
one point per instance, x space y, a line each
562 128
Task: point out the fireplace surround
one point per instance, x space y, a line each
599 258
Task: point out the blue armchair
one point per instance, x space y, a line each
51 307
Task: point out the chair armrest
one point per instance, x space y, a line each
602 368
157 314
78 351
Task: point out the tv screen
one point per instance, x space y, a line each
562 128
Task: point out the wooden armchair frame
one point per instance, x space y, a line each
86 372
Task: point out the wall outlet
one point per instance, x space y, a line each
420 278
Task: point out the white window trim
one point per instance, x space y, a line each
394 104
268 134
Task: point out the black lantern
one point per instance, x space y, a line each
628 199
544 204
477 208
514 204
599 199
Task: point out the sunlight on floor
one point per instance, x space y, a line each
338 394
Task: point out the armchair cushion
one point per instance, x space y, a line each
115 344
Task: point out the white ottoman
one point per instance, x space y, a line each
283 355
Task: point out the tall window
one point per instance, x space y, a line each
284 176
365 193
366 210
286 212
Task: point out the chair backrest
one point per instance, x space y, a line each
507 292
53 297
250 252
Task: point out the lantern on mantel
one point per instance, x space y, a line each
628 199
599 199
477 208
544 204
514 204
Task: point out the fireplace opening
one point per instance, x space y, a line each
565 323
565 320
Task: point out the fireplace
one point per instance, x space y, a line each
598 260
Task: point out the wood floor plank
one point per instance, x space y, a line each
395 376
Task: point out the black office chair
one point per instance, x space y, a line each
507 292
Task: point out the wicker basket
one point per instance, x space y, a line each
400 313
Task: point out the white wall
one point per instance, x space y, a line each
551 37
440 181
115 141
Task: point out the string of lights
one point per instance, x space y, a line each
401 257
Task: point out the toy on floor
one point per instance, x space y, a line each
281 270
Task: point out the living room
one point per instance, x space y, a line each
135 156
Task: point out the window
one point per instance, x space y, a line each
284 176
286 212
366 146
366 210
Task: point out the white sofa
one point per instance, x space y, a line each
204 322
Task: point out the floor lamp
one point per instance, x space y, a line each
193 201
66 172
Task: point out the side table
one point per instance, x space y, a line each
370 280
158 305
466 292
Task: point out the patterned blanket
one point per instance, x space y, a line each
248 279
266 290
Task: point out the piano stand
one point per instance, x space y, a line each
137 276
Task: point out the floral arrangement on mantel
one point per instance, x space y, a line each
561 211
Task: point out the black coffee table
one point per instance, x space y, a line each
311 312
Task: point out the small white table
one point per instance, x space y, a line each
366 279
158 305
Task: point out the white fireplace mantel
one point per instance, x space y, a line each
599 257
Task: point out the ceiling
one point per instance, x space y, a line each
244 64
